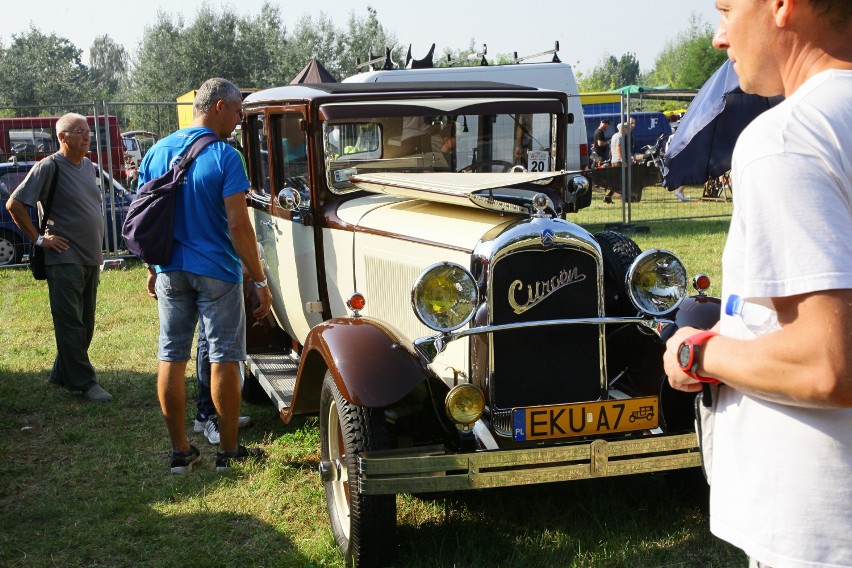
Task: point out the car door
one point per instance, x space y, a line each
286 235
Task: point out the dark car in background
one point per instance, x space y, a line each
13 243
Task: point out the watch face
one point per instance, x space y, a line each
684 354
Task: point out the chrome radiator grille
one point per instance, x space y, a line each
547 365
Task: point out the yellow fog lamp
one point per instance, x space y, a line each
444 296
656 282
464 404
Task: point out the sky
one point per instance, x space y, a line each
586 31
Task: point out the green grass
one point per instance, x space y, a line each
88 485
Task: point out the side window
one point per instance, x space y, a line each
257 139
31 143
9 183
291 154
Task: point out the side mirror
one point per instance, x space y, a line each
289 199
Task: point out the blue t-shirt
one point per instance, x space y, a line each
202 240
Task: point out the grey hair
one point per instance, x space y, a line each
215 89
66 121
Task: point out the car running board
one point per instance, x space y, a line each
276 374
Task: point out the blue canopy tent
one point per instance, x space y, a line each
701 147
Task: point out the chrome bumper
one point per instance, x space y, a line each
431 469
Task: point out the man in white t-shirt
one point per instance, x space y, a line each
782 444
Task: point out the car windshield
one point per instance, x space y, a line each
424 139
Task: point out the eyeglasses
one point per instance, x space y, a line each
78 132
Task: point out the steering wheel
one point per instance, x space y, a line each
476 165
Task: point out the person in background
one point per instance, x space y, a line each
206 422
782 437
523 138
213 235
73 244
601 143
448 145
616 146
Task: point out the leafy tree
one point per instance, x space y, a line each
688 61
108 63
611 73
264 38
175 57
314 37
365 36
157 71
40 70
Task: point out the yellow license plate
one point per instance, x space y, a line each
585 418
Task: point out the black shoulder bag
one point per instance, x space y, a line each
37 252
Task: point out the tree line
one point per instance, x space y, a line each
686 62
175 56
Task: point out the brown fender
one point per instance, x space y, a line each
369 361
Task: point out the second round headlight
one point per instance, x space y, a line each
464 404
444 296
656 282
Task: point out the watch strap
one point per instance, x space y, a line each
699 340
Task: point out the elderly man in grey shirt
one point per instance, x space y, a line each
73 250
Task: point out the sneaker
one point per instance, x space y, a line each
97 394
224 460
681 196
199 425
607 199
183 462
210 427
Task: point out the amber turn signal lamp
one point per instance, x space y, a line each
701 282
356 302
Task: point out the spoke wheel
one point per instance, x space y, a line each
363 525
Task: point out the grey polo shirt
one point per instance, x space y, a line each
76 213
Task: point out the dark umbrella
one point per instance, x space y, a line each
702 146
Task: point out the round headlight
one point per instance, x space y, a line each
656 282
444 296
464 404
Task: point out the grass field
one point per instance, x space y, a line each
88 485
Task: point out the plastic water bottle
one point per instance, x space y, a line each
759 319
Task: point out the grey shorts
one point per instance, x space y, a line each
183 298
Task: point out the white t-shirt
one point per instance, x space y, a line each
616 144
782 475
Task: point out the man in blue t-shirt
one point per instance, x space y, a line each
212 235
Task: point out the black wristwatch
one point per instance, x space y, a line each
687 355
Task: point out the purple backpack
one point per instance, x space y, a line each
148 229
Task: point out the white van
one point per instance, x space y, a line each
551 76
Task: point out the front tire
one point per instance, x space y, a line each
619 252
363 525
